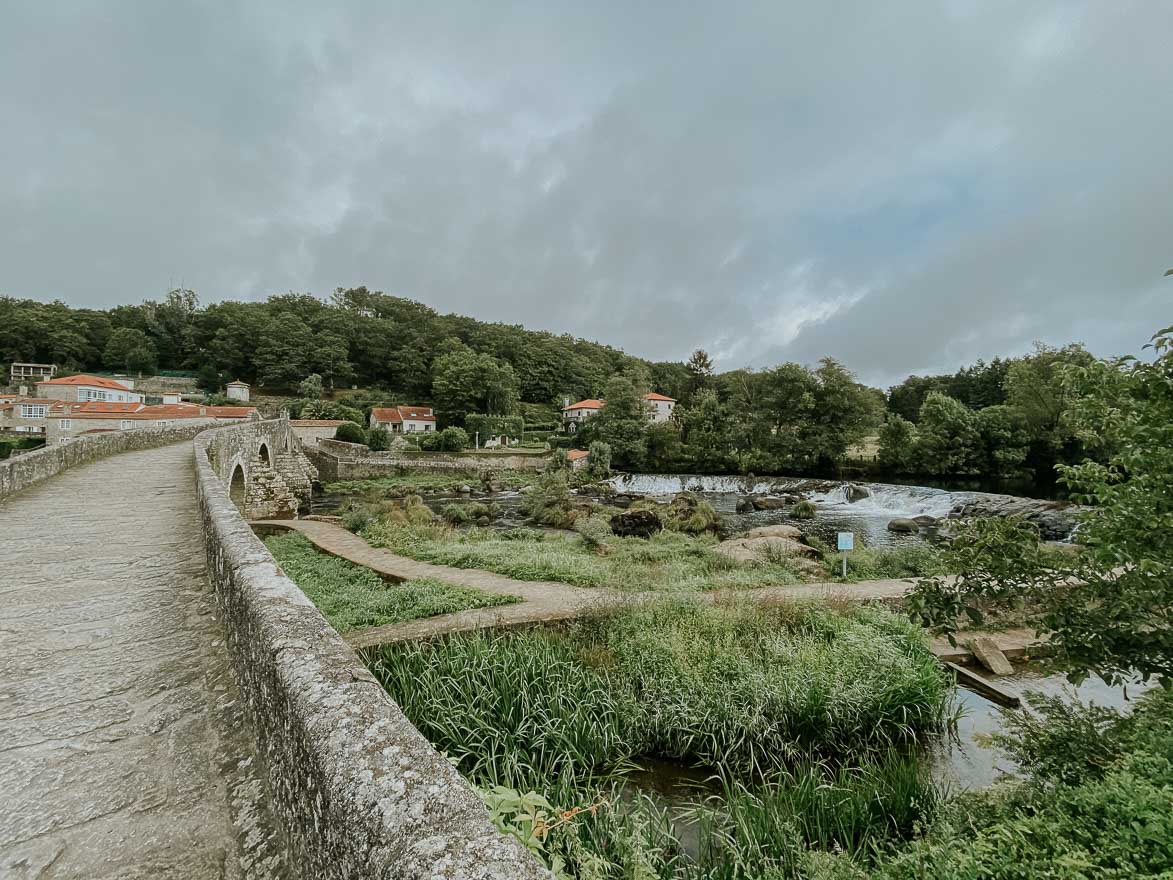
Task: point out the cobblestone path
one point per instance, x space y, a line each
123 753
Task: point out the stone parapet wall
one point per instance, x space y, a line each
21 471
361 793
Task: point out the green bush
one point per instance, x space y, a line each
378 439
471 512
349 432
453 439
429 441
804 510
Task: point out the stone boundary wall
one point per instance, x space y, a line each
337 460
360 792
24 470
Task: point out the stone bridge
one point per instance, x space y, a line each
171 705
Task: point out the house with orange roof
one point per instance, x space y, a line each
660 408
403 419
84 388
68 420
578 458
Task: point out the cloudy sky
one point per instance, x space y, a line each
906 186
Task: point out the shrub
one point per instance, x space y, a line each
594 530
599 462
349 432
804 510
378 439
472 512
429 441
548 502
453 439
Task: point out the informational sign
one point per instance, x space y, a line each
846 541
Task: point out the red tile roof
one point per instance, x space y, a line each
591 403
654 396
92 381
393 414
576 454
316 423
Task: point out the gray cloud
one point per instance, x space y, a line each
903 186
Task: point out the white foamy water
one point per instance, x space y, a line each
893 501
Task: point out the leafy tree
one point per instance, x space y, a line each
599 462
907 398
622 424
209 379
700 372
130 350
665 450
949 440
467 382
331 358
283 353
1107 608
898 438
311 387
708 432
1035 386
1005 440
349 432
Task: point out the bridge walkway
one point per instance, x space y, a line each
123 751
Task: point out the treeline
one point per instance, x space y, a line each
360 337
1003 418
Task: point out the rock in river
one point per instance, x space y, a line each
855 493
903 526
635 524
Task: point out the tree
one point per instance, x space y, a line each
310 387
622 424
1004 440
283 353
708 432
378 439
209 379
949 441
467 382
1035 386
599 461
898 438
130 350
1106 609
349 432
700 371
331 358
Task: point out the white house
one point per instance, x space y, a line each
403 419
83 389
659 406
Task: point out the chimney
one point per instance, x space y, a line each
565 402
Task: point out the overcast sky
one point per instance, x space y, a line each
905 186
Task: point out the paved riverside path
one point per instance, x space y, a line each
122 750
542 600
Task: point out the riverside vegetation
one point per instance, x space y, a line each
809 717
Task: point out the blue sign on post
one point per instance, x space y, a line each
846 541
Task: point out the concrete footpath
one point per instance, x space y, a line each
123 753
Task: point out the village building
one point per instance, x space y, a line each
237 391
310 431
83 389
660 408
59 421
578 458
403 419
26 374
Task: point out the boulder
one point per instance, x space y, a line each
465 490
767 503
761 549
635 524
990 655
745 505
925 521
781 531
1055 520
903 526
856 493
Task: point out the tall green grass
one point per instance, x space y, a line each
351 596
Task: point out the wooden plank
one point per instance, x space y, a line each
983 686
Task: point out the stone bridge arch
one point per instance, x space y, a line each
263 468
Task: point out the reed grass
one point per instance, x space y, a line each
351 596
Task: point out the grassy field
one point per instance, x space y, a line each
806 715
669 561
351 596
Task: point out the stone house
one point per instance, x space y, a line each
83 389
310 431
237 391
60 421
578 458
403 419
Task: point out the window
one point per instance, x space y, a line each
33 411
84 394
162 423
427 427
65 424
127 424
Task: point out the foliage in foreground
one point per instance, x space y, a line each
351 596
547 723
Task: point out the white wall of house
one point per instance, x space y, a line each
660 410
